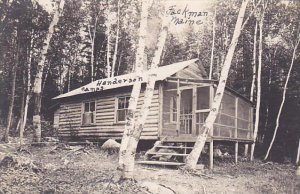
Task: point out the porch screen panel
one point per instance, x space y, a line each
244 120
203 98
203 94
200 119
169 113
225 122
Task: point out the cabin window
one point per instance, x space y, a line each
123 103
173 109
88 116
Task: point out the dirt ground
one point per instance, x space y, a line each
61 168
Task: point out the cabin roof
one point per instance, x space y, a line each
129 79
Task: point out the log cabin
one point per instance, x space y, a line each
181 102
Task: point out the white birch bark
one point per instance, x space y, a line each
253 64
253 75
283 97
192 158
130 119
28 91
212 47
258 90
298 153
37 87
92 35
12 97
117 42
143 113
108 34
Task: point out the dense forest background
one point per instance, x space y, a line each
97 39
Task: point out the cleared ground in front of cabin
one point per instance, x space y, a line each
88 169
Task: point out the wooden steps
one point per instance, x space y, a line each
160 163
174 147
168 153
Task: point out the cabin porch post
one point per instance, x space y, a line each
211 132
178 107
236 152
246 150
211 154
194 107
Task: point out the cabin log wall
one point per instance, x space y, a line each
105 127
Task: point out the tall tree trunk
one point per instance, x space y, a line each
268 91
143 113
37 89
92 40
212 46
192 158
46 73
253 64
28 90
130 118
119 64
12 97
258 92
298 153
116 44
283 97
253 74
108 34
22 106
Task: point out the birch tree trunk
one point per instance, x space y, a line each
134 137
22 105
298 153
27 92
12 97
130 118
108 34
283 96
258 92
253 75
269 90
253 64
37 87
119 63
92 35
212 47
117 43
192 158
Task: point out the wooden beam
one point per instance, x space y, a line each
251 121
236 152
178 107
211 154
211 99
194 107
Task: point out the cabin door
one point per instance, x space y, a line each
186 112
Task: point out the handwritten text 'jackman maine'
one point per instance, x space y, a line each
186 16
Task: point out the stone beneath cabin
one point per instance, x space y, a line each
111 145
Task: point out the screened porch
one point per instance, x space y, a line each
186 104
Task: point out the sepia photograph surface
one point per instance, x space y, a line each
149 96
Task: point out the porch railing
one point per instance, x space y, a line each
186 123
